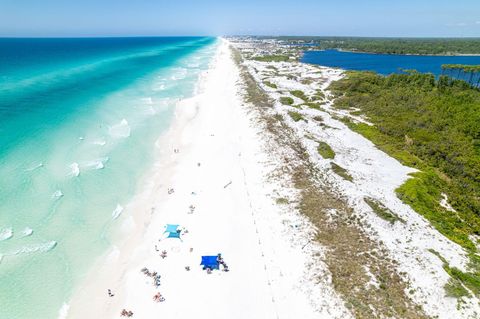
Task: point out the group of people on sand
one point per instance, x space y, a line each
126 313
156 277
220 262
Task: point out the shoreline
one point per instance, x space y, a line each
133 224
220 169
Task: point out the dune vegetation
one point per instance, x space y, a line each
434 126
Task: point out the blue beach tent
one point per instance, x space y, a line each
210 262
172 231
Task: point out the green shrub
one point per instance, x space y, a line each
299 94
286 100
342 172
382 211
325 150
270 84
272 58
296 116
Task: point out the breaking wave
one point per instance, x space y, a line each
63 312
36 248
34 167
27 232
147 100
98 163
5 234
74 169
180 74
99 142
117 211
120 130
57 194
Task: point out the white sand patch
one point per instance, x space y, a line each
445 204
219 170
375 175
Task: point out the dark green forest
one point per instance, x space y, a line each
434 126
421 46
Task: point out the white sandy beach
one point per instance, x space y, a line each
220 169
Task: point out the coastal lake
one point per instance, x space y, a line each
384 63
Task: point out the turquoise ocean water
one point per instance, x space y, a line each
78 123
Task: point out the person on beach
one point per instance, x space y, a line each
158 297
126 313
157 281
163 254
222 262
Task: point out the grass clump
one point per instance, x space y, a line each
342 172
455 289
319 95
272 58
300 94
461 283
296 116
313 105
382 211
325 150
270 84
282 201
286 100
271 67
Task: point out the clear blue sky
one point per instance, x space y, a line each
258 17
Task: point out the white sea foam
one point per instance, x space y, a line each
159 87
120 130
74 169
98 163
117 211
6 233
100 142
63 312
35 248
27 232
150 110
180 74
34 167
57 194
147 100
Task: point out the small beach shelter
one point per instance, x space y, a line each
210 262
172 231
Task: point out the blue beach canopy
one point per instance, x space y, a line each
172 231
171 228
210 262
174 235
